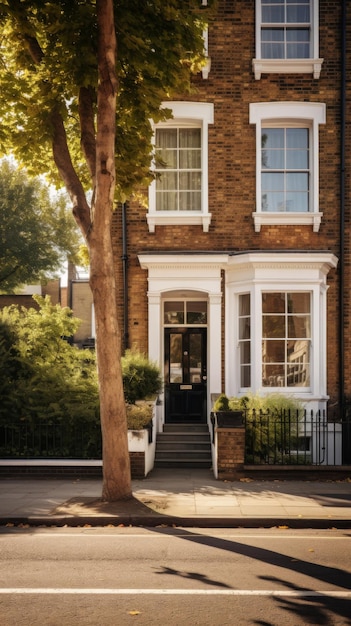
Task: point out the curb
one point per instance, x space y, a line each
172 521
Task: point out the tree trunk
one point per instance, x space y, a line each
116 465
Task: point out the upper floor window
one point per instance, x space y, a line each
179 193
285 172
178 167
287 37
287 165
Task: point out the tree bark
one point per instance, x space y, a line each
116 465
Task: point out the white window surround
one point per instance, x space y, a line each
185 114
255 273
308 114
312 65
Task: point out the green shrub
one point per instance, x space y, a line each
221 404
141 377
139 415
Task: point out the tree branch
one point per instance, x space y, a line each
87 125
62 158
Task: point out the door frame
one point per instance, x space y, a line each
185 393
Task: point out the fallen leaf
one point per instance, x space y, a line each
134 612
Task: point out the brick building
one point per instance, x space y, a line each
237 275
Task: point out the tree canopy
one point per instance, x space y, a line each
37 232
79 83
48 52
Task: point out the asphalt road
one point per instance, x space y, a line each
173 576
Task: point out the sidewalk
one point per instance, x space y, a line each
178 497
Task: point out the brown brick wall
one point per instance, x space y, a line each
137 464
230 452
231 86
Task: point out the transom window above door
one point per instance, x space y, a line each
184 313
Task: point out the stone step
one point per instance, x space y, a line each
183 445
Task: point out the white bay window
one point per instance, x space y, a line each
276 311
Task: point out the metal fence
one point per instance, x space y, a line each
41 440
295 438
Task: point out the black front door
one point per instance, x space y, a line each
185 374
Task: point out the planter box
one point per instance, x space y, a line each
142 448
228 419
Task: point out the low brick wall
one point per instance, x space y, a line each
137 464
230 452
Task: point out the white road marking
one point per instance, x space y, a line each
175 592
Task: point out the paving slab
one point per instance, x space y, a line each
177 497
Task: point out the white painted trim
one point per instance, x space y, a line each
186 272
287 66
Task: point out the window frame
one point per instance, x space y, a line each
255 273
289 115
311 65
185 115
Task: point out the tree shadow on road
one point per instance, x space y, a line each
313 609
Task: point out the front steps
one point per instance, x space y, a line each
184 445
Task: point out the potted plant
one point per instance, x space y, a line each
227 414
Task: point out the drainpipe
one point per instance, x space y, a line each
125 277
346 427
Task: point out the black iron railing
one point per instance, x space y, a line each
293 438
41 440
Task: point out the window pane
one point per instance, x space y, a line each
190 138
175 365
273 182
245 376
297 160
299 326
273 302
196 312
297 138
166 138
166 201
273 202
190 159
273 326
297 202
274 351
298 51
190 201
244 304
245 352
167 181
297 182
273 375
272 14
299 302
174 313
298 14
190 180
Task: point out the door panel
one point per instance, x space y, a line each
185 374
